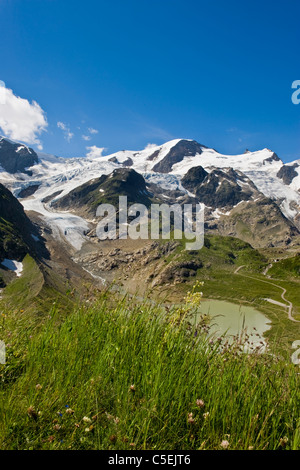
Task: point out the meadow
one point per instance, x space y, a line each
117 373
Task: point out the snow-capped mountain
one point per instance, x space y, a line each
220 188
50 178
15 157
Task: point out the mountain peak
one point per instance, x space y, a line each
15 157
181 149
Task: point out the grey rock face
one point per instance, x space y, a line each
287 173
16 157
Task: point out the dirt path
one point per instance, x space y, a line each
237 269
289 305
267 269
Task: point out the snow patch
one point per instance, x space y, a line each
13 265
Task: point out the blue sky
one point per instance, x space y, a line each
140 72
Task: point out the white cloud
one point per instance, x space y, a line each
92 131
150 146
21 120
68 134
94 151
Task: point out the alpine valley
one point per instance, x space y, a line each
142 344
251 254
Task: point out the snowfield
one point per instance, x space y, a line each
63 224
60 175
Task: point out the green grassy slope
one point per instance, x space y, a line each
124 375
220 259
30 296
288 268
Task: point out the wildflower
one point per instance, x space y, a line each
38 386
224 444
57 427
283 441
116 420
32 413
250 448
85 419
206 415
89 429
132 388
200 403
132 444
77 425
190 418
69 411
